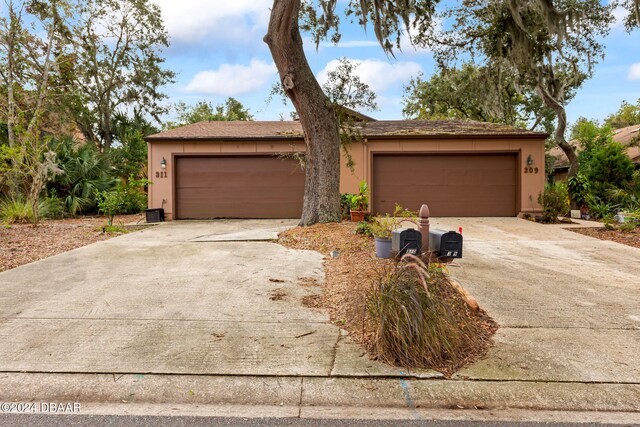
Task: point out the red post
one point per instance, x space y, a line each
424 227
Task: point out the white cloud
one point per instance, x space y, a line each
378 74
634 72
232 80
619 14
198 20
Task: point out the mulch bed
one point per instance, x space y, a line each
629 238
348 282
25 243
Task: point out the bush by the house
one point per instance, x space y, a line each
134 198
345 204
554 201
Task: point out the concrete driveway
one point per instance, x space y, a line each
215 311
568 305
179 298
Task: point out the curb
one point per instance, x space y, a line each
313 397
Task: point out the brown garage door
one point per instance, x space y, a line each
238 187
452 185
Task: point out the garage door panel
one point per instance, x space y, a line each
452 185
238 187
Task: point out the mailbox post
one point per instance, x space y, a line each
423 226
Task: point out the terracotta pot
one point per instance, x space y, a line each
357 216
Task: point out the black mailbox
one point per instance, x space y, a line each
445 244
406 241
155 215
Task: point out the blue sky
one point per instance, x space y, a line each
217 51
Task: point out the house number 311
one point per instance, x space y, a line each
162 174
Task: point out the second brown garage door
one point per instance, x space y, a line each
209 187
452 185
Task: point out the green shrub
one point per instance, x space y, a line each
554 201
51 207
579 188
600 209
16 210
364 228
110 204
383 226
419 319
400 212
360 201
625 199
608 168
134 198
86 172
627 226
345 204
115 229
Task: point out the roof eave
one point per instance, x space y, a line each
383 137
457 136
223 138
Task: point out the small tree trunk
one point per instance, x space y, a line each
106 131
559 136
569 151
317 115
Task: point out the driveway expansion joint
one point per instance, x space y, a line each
334 354
622 328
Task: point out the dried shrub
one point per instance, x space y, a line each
421 321
354 281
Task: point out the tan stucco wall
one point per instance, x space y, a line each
531 185
161 189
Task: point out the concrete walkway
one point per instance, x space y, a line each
195 317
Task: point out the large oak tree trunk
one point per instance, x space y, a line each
316 112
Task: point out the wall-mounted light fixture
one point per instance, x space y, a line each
163 163
529 160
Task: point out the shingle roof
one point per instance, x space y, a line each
251 130
624 136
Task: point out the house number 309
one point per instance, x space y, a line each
531 170
162 174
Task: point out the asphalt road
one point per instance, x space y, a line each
40 420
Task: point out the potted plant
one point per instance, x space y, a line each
381 228
359 203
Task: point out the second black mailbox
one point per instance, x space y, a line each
445 244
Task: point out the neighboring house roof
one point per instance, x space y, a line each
624 136
252 130
356 115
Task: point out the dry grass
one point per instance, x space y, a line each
348 286
629 238
25 243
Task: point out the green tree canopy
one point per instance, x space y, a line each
475 92
128 156
550 47
203 111
118 63
627 115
